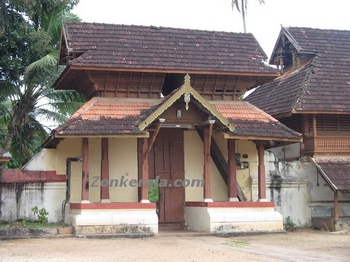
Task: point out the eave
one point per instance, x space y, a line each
184 71
143 135
309 112
318 112
284 139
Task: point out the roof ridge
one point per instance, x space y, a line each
309 68
158 27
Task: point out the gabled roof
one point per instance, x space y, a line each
336 172
322 85
186 91
129 117
132 47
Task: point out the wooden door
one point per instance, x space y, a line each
169 168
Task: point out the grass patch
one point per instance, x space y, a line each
31 224
234 243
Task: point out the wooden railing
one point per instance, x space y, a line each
339 145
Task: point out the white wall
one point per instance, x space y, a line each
194 163
287 185
18 199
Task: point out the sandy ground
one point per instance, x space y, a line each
305 245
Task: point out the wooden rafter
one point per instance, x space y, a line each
154 136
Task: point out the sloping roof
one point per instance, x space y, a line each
159 48
250 121
322 85
336 172
119 116
107 117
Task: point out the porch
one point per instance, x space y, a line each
171 141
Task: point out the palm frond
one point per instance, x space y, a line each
66 102
47 115
27 141
234 3
41 67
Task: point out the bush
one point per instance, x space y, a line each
41 214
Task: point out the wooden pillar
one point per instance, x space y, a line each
85 174
305 124
314 132
336 208
104 192
144 171
207 178
261 173
232 171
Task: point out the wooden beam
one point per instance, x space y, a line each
146 135
210 137
154 136
305 124
72 67
314 131
206 171
256 138
206 123
232 167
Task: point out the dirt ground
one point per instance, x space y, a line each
303 245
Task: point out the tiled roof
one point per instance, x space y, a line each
321 85
116 116
107 116
251 121
159 48
336 171
282 94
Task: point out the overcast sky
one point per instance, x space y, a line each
264 21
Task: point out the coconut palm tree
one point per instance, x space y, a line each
26 96
241 6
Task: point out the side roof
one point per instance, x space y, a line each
335 172
94 45
320 86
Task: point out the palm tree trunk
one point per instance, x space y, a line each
19 118
243 15
10 134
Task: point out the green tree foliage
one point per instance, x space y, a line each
29 40
241 6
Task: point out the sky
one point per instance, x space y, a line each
263 21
